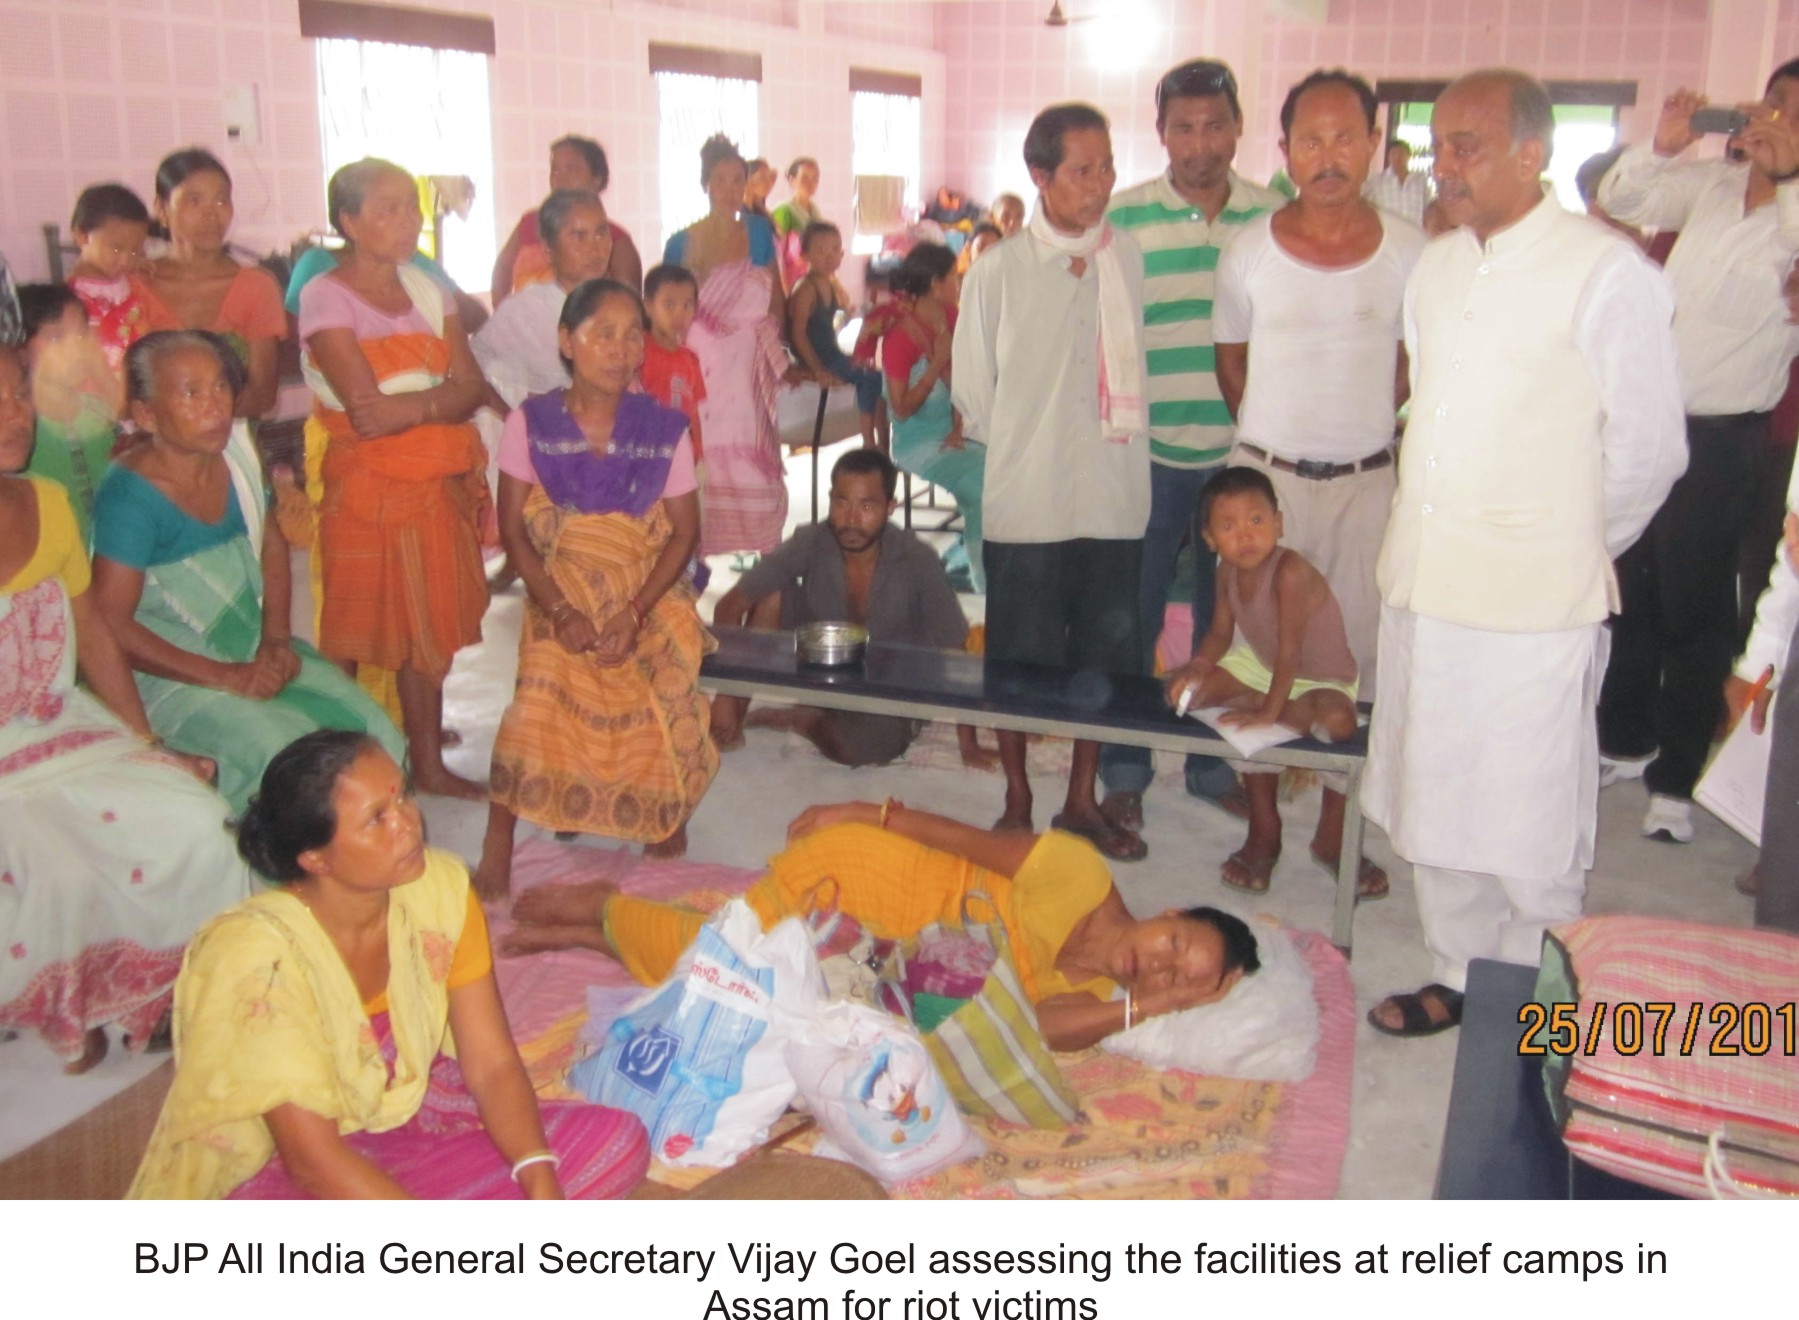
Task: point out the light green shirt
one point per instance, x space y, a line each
1189 426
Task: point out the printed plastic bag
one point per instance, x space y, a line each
869 1081
699 1058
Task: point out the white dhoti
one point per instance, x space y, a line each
1483 768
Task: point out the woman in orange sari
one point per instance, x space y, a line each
199 285
607 732
394 385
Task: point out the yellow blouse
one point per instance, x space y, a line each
59 553
895 887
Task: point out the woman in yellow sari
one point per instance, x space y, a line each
394 385
1089 967
607 732
314 1024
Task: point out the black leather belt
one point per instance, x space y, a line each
1314 469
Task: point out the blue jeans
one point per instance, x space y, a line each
1173 504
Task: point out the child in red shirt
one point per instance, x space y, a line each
110 225
671 370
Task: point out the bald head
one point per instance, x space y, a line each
1490 134
1530 112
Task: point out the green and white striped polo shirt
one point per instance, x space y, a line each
1189 426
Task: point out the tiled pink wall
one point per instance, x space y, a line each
93 89
1786 32
102 89
906 22
1660 43
778 13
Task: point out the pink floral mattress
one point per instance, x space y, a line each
1149 1134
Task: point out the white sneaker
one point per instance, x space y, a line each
1670 820
1614 769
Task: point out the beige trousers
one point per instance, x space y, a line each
1338 525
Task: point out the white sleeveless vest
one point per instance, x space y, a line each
1499 519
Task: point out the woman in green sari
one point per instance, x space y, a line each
192 574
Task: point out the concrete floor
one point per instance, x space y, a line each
1402 1087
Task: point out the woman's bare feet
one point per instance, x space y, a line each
444 783
93 1049
727 740
675 845
522 940
580 904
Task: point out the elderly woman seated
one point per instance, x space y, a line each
1088 965
192 575
112 850
310 1020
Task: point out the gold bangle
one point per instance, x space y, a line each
886 811
555 611
637 611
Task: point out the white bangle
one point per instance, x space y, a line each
537 1157
1130 1008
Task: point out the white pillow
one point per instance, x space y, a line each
1264 1030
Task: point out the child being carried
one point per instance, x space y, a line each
1276 653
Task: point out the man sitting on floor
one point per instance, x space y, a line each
856 567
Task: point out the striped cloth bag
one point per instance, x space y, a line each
990 1051
1669 1052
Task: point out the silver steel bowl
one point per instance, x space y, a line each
831 644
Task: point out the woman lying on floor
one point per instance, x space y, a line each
308 1020
1089 966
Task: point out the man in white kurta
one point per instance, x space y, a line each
1775 882
1048 372
1545 430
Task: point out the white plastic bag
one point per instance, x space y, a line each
1264 1030
869 1081
699 1058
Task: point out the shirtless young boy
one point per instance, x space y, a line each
1275 654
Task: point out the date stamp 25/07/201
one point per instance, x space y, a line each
1751 1028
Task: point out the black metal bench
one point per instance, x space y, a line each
920 683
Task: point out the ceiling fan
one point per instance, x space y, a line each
1057 18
